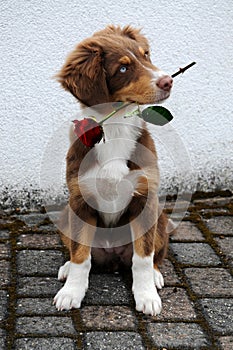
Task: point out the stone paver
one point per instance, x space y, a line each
106 289
186 231
31 220
195 254
38 286
197 298
214 310
46 325
45 344
210 281
39 240
176 305
39 262
108 318
177 335
221 225
26 306
113 341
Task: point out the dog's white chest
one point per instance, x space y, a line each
109 180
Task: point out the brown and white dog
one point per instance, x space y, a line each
114 65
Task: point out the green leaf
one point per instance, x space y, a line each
156 115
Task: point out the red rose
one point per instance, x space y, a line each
88 131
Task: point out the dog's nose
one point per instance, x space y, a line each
165 83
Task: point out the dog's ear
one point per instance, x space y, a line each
135 34
83 73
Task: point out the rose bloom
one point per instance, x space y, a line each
88 131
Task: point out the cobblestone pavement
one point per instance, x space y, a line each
197 297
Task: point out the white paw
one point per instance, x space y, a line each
158 279
73 292
69 297
145 293
148 302
64 271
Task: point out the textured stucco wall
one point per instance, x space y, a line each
35 39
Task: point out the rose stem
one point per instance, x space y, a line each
182 70
113 112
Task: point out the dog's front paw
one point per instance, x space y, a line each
149 303
69 297
73 292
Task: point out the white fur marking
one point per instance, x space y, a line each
72 293
155 74
145 294
110 180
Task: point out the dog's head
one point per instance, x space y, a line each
114 65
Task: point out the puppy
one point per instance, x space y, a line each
114 65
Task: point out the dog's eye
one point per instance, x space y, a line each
123 69
146 54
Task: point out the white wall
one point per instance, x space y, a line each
35 39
